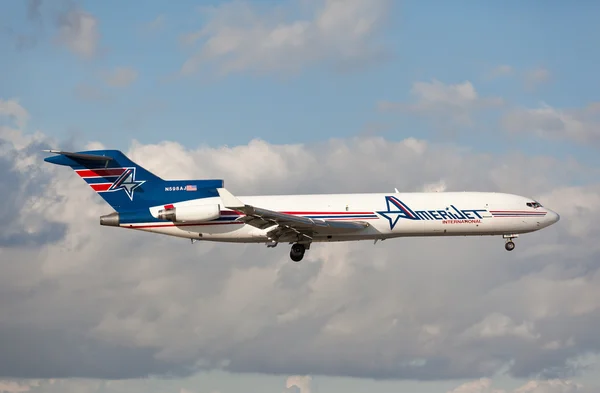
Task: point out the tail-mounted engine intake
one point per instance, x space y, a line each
190 213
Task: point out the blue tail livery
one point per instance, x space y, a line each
127 186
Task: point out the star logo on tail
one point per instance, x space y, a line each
127 183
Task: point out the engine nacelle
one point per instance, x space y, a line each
190 213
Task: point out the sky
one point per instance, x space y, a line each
304 96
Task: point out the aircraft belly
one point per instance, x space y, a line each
217 231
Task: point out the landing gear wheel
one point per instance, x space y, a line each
510 245
297 252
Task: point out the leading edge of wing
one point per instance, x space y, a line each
264 218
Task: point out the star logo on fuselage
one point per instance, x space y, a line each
127 183
396 210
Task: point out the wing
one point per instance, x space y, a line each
287 227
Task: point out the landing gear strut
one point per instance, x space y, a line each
297 252
510 245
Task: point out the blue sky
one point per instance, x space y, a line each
114 72
451 42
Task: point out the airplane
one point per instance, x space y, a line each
205 210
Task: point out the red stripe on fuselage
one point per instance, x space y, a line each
134 226
350 218
328 213
235 213
518 211
518 215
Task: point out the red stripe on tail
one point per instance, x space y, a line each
101 186
100 172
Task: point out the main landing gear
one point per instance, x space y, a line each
297 252
510 245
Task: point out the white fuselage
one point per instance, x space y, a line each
389 215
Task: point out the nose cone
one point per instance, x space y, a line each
552 217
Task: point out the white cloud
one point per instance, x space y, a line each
78 31
14 387
237 37
161 305
501 70
293 384
435 187
578 125
551 386
13 109
456 102
121 77
498 325
484 385
302 382
536 77
532 78
577 205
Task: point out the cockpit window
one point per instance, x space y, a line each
535 205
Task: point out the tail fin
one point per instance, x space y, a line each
127 186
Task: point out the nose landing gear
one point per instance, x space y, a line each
510 245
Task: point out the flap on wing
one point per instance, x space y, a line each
264 218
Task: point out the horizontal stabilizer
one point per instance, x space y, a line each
80 156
